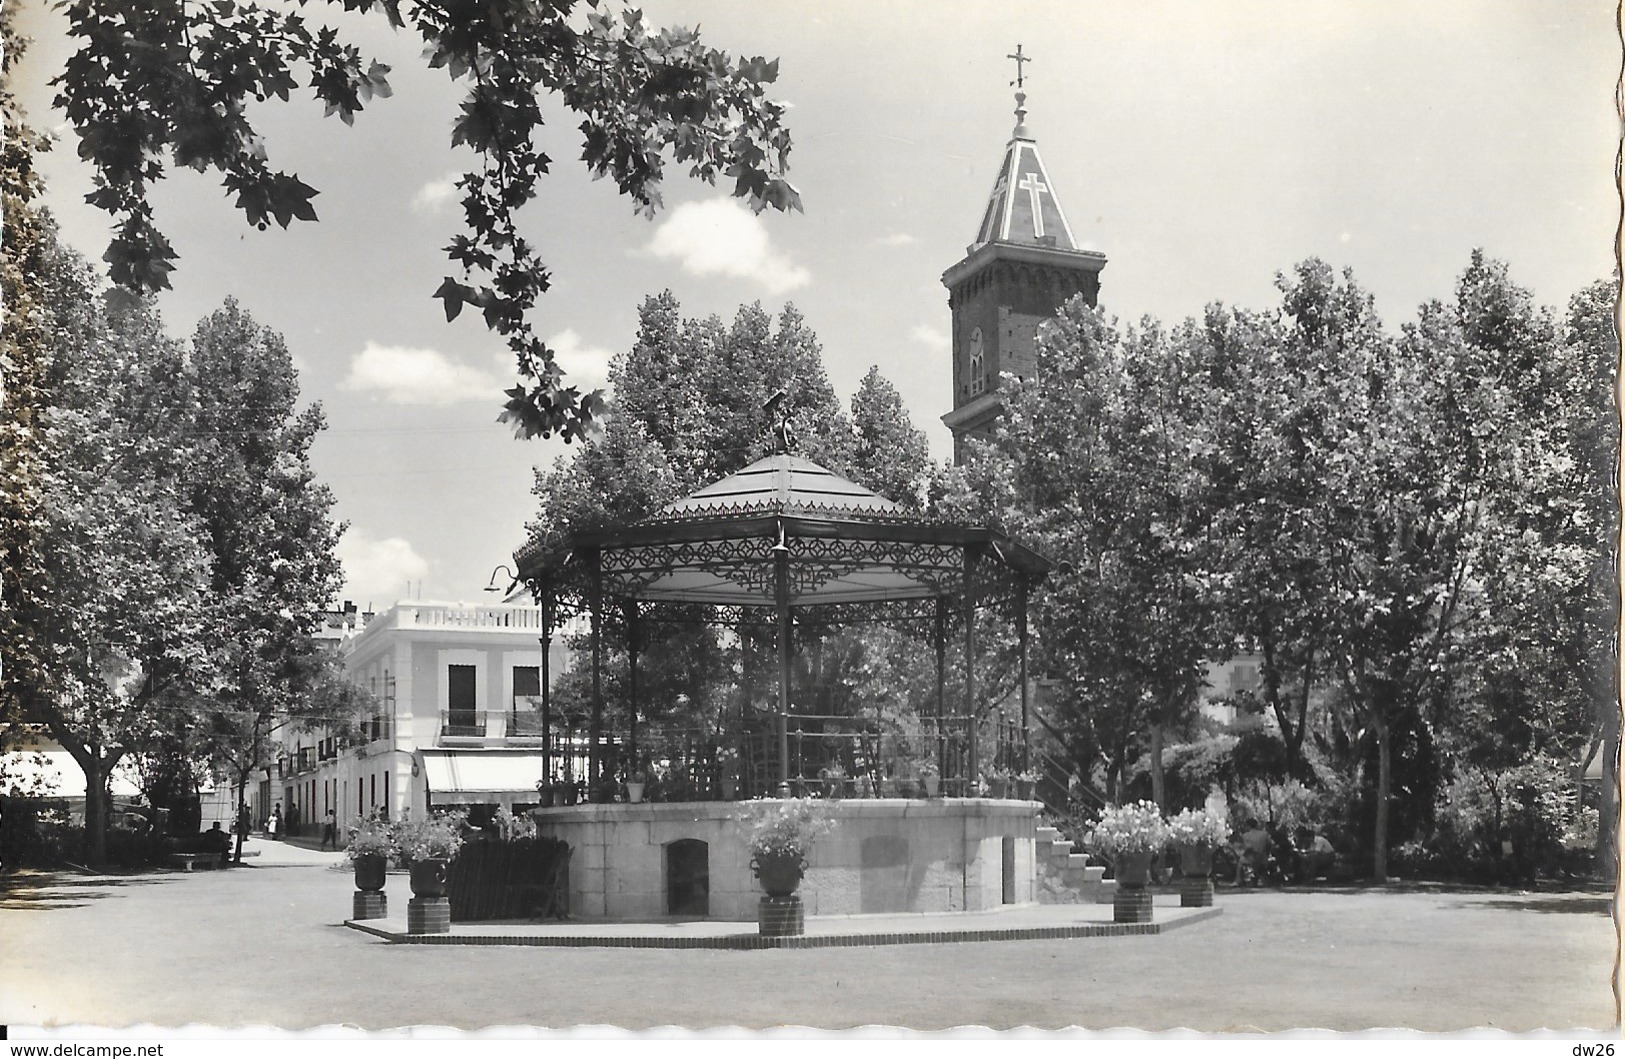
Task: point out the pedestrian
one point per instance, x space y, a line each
330 831
273 822
293 819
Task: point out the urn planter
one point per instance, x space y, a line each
1195 858
1196 869
369 900
634 792
429 877
1132 901
780 873
780 913
369 871
1134 869
933 784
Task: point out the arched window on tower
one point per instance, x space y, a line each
978 363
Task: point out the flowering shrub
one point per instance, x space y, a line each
1136 828
511 828
371 838
1197 827
437 838
787 826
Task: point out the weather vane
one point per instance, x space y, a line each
1020 60
777 408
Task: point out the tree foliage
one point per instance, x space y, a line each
1098 463
170 83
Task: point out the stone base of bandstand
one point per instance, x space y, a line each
428 915
781 917
1196 891
1131 904
370 904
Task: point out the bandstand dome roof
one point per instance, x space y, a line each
721 545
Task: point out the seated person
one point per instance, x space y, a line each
1319 856
1255 848
214 842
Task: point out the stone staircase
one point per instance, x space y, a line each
1065 877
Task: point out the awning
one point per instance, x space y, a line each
470 776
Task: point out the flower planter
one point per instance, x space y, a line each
1134 869
634 792
546 793
1131 903
1195 859
933 784
429 877
780 873
997 788
369 871
1195 867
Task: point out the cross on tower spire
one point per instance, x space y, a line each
1020 60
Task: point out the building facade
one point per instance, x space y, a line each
455 719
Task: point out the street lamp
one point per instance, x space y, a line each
514 580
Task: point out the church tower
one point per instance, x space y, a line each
1023 265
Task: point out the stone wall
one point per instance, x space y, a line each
884 855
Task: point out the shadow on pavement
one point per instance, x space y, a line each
46 890
1579 903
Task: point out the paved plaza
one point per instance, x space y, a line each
266 945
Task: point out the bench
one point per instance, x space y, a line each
203 861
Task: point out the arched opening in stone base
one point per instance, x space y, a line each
688 877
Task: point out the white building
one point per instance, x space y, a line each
457 688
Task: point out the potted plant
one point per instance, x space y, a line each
1130 836
428 847
544 790
1025 781
728 772
833 777
635 781
1196 833
372 843
779 832
931 777
998 782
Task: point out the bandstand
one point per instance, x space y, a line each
780 545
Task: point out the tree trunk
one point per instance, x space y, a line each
1159 792
236 819
1608 810
1379 864
1294 745
96 799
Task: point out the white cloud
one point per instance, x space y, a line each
403 375
934 337
437 195
897 239
376 572
721 237
584 366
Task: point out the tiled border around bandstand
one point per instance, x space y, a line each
803 941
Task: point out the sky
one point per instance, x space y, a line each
1202 145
